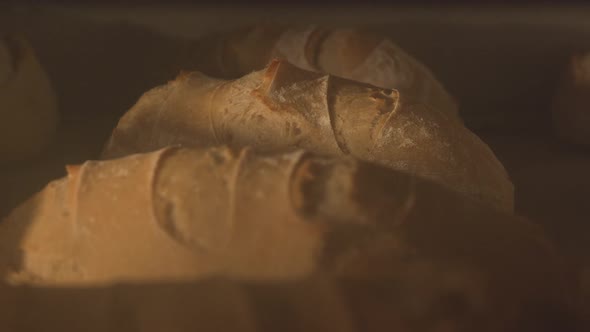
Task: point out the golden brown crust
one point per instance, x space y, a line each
173 213
188 214
283 108
349 53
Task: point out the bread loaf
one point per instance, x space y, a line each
181 214
283 108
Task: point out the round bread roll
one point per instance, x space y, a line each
283 108
28 107
181 214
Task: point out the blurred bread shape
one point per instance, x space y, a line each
571 104
349 53
28 105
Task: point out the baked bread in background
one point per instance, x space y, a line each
132 60
28 105
354 54
571 105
